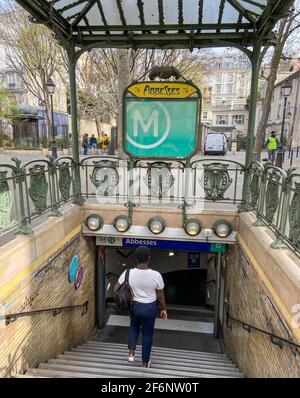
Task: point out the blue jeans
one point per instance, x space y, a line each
142 315
85 150
272 156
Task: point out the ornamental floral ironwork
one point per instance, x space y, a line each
215 181
6 201
294 217
38 189
272 195
159 179
65 180
105 177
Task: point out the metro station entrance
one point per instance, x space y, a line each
194 284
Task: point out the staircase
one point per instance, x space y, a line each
97 359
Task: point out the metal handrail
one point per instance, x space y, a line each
276 340
56 311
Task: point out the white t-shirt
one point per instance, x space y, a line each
144 283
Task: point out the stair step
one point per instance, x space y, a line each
177 370
28 376
161 349
192 369
158 360
63 374
106 372
154 353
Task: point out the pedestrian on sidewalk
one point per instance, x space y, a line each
147 288
272 145
85 144
93 143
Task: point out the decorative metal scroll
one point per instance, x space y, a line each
294 217
65 180
6 201
272 195
105 177
159 179
215 181
38 189
256 172
254 189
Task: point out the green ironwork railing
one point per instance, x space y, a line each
275 198
111 180
41 186
29 190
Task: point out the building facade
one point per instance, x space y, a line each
30 127
284 120
228 82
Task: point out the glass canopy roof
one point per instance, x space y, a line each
159 23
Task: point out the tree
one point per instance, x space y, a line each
287 27
8 111
31 51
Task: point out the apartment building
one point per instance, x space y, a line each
228 82
283 119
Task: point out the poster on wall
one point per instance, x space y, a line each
79 277
73 269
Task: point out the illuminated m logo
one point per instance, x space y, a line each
145 126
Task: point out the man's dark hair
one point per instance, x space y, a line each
142 254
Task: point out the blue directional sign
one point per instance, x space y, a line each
174 245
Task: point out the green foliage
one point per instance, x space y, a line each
8 105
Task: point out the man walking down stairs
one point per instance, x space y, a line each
97 359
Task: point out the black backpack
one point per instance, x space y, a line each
123 297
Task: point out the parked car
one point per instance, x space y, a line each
215 144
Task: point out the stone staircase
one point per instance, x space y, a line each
97 359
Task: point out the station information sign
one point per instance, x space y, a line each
161 120
160 244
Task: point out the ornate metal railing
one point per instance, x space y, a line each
141 182
29 190
275 198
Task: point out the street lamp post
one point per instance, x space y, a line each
50 89
286 90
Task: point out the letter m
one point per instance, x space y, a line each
153 120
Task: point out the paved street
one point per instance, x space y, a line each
5 158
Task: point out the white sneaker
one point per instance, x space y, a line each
130 358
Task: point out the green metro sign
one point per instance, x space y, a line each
159 122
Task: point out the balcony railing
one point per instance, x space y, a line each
42 186
225 106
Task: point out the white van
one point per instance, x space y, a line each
215 144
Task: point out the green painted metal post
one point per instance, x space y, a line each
256 63
74 123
